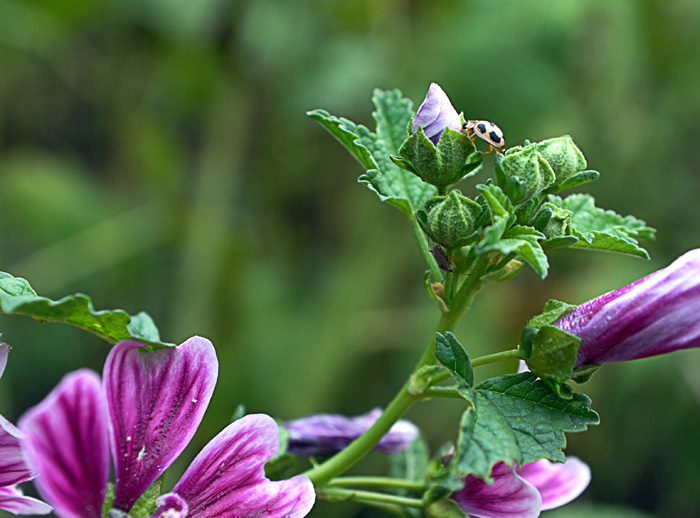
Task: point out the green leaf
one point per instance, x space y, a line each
145 506
413 462
347 134
455 359
521 240
553 353
17 297
552 311
392 114
604 229
515 418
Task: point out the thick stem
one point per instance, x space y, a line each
361 446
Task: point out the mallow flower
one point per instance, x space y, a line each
524 492
326 434
656 314
435 114
13 468
146 409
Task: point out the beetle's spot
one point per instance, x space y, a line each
481 127
494 136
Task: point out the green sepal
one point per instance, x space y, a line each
523 173
553 311
444 508
146 506
604 229
453 159
109 499
567 163
450 220
553 353
455 359
17 297
514 418
585 373
509 270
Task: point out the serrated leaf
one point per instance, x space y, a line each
18 297
552 311
515 418
392 114
498 203
347 134
521 240
604 229
455 359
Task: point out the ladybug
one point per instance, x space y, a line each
487 131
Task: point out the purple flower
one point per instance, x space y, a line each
524 492
146 409
656 314
13 468
435 114
326 434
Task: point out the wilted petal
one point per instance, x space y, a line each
654 315
12 499
436 113
65 439
326 434
558 483
227 478
156 402
13 468
508 497
4 353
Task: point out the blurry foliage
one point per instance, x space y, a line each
155 155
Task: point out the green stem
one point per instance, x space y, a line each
361 446
369 497
424 247
444 392
383 482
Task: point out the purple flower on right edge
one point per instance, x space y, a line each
657 314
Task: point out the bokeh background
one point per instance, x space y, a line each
155 154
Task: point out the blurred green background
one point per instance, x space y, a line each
155 154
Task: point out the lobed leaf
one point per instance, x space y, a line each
601 229
18 297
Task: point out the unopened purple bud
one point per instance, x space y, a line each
654 315
435 114
326 434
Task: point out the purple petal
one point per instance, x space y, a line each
227 478
13 468
656 314
66 441
156 402
435 114
171 505
326 434
12 499
4 353
508 497
558 483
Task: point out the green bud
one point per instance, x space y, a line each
522 173
558 222
567 162
454 158
450 220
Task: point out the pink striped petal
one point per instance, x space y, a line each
227 478
13 468
508 497
66 441
156 402
12 499
558 483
